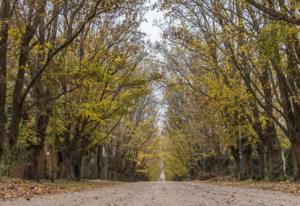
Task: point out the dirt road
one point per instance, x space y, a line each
164 194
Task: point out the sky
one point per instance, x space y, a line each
153 34
149 27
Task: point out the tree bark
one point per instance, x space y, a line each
4 27
248 161
40 95
274 152
236 157
41 127
261 158
67 166
296 155
291 116
30 31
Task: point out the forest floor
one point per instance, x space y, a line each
11 188
164 194
283 186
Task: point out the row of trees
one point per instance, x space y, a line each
232 69
73 79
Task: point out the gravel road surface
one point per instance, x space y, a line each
164 194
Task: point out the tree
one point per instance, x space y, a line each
227 40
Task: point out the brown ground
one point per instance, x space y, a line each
287 187
164 194
11 188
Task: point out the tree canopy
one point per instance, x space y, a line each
84 95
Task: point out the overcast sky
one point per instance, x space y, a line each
153 34
152 31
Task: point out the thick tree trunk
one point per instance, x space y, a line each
261 159
236 157
268 137
68 166
100 163
4 27
40 95
219 166
41 127
296 155
291 116
18 88
274 151
269 133
248 161
77 166
18 100
36 167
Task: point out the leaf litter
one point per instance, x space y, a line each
11 188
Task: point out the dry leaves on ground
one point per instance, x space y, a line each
13 188
288 187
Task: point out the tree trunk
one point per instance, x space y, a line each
296 155
236 157
261 158
100 163
248 161
4 27
17 102
274 151
291 121
219 169
68 166
41 127
18 88
269 133
40 95
35 174
268 137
